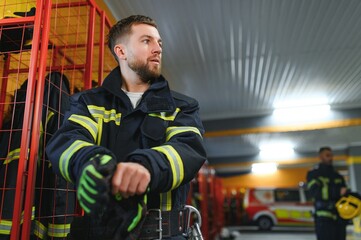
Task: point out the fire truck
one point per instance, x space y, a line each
268 207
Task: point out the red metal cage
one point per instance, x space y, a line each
49 50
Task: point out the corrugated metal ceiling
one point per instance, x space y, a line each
248 55
241 57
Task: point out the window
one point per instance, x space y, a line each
287 195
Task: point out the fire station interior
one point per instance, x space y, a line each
275 81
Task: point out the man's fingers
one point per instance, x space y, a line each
130 179
116 180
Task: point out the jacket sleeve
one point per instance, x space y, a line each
75 141
179 158
314 185
338 183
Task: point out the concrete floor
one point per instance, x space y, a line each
251 233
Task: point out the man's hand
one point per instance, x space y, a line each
93 186
343 191
130 179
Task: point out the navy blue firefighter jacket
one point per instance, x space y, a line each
163 133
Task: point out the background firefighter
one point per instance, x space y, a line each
326 186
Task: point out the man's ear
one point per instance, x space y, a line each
120 51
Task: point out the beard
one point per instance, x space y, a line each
144 70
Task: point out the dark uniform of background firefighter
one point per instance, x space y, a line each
326 186
133 137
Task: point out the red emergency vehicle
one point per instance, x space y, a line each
268 207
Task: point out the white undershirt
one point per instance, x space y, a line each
134 97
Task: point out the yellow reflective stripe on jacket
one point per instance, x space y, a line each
32 214
67 154
106 115
324 190
58 230
171 131
100 131
50 115
311 183
87 123
5 225
39 229
166 116
13 155
338 180
175 163
326 214
166 201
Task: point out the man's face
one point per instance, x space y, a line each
326 157
144 51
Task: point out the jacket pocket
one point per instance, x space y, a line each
153 131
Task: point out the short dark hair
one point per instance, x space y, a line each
123 28
326 148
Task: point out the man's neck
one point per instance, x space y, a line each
132 83
135 87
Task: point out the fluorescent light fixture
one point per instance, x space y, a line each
302 113
264 168
306 101
277 150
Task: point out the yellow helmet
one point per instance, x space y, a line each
17 8
349 206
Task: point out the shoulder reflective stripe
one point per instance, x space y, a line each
324 190
106 115
5 227
338 180
166 201
326 214
166 116
67 154
175 163
58 230
171 131
13 155
39 229
87 123
311 183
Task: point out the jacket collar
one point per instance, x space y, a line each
156 99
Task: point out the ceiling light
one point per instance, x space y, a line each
264 168
276 150
302 113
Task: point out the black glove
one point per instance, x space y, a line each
93 185
124 217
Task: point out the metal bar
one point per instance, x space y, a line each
70 4
83 45
35 131
90 48
19 21
25 136
53 68
101 48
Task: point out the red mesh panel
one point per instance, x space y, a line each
36 81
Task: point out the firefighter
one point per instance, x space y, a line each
54 198
132 145
326 186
